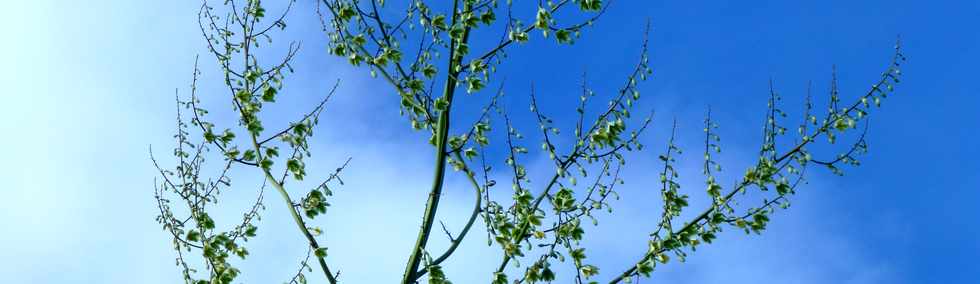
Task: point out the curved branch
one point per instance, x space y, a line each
477 207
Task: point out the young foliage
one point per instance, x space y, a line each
359 32
234 31
539 226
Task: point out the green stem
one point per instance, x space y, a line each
248 36
432 203
296 217
442 135
466 228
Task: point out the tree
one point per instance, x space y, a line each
430 44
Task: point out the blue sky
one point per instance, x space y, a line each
89 86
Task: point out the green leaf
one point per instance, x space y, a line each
441 104
258 11
547 274
499 278
228 136
474 84
266 164
429 71
269 94
590 5
209 136
439 22
193 236
488 17
782 188
251 76
518 36
589 270
254 126
346 12
249 155
470 153
543 18
250 230
563 36
321 252
296 167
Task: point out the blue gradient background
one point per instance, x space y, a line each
88 86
